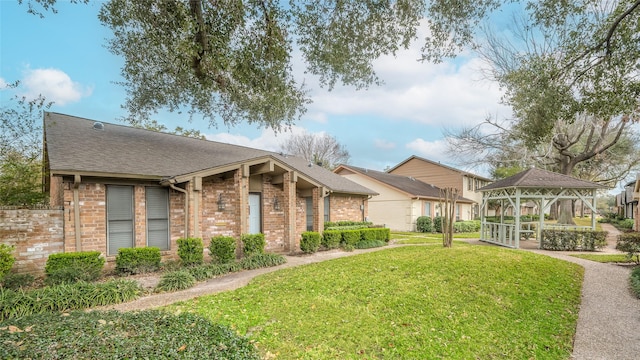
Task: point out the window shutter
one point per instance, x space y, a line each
157 217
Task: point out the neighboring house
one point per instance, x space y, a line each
127 187
444 176
628 203
402 199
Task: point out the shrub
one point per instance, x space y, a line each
351 237
585 240
466 226
424 224
73 266
626 224
15 281
331 239
149 334
191 251
80 295
257 261
373 234
367 244
138 260
6 259
253 244
630 243
437 224
208 271
345 223
222 249
634 281
310 242
176 280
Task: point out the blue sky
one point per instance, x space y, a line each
63 57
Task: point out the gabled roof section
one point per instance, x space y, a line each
79 145
412 157
406 184
539 178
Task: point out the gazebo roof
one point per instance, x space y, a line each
539 178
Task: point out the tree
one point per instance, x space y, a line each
320 149
21 151
448 199
232 60
154 125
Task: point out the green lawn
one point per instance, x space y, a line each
426 302
399 237
609 258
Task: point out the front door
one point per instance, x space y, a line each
255 214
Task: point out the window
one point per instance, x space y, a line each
458 212
309 202
327 209
157 200
469 183
119 218
427 208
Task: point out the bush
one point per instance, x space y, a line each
626 224
376 234
630 243
253 244
149 334
331 239
17 281
6 259
339 224
64 297
571 240
222 249
350 237
257 261
367 244
73 266
310 242
176 280
634 281
191 251
138 260
466 226
437 224
424 224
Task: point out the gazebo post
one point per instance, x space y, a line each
540 222
593 209
516 231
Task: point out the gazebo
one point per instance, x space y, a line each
541 187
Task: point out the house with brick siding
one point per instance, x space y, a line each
402 198
120 187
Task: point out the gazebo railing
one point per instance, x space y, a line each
501 234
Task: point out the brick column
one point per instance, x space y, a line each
289 207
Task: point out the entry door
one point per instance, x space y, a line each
255 214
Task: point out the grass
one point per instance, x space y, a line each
414 238
609 258
471 302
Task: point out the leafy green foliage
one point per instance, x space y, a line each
15 281
367 244
149 334
222 249
175 280
252 244
310 242
437 224
571 240
630 244
424 224
261 260
484 293
350 237
466 226
6 259
331 239
208 271
347 225
73 266
79 295
191 251
138 260
634 280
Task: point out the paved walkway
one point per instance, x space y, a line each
608 322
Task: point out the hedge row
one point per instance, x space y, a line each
332 239
426 224
630 243
337 224
571 240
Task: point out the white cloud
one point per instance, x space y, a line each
267 140
55 85
433 150
384 144
3 84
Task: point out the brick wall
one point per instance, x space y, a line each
346 208
215 222
273 219
35 234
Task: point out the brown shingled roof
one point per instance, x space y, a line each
539 178
73 144
409 185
